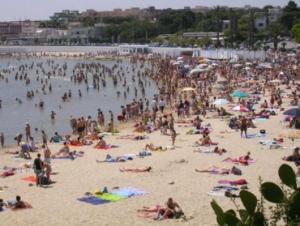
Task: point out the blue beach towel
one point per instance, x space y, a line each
93 200
250 136
128 192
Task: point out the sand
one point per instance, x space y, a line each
58 205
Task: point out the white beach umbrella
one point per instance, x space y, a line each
221 102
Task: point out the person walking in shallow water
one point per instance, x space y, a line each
2 139
27 131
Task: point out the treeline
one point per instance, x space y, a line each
241 30
175 22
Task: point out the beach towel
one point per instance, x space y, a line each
233 182
31 179
216 193
205 151
93 200
75 145
107 147
109 197
239 161
261 119
250 136
267 142
226 188
128 192
7 174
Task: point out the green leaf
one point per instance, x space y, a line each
295 204
231 220
259 219
272 192
217 209
231 212
219 212
243 215
249 200
288 176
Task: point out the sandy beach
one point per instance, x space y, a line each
170 177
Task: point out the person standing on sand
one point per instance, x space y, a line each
244 126
2 139
173 136
38 168
27 131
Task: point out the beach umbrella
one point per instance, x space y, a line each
221 102
240 108
239 94
197 70
293 112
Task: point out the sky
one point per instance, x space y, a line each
42 9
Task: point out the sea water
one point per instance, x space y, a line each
14 115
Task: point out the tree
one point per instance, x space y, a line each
274 31
296 32
290 15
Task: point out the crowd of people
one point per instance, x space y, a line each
188 97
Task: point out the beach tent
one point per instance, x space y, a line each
240 108
239 94
221 102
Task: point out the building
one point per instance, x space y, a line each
225 25
10 30
29 27
65 16
85 34
200 9
262 19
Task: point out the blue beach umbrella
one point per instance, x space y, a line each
239 94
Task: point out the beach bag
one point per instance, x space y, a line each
236 171
44 180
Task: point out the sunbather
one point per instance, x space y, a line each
173 210
64 152
205 141
214 170
101 143
18 204
152 147
137 170
295 157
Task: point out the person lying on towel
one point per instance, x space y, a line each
18 204
64 152
101 143
137 170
